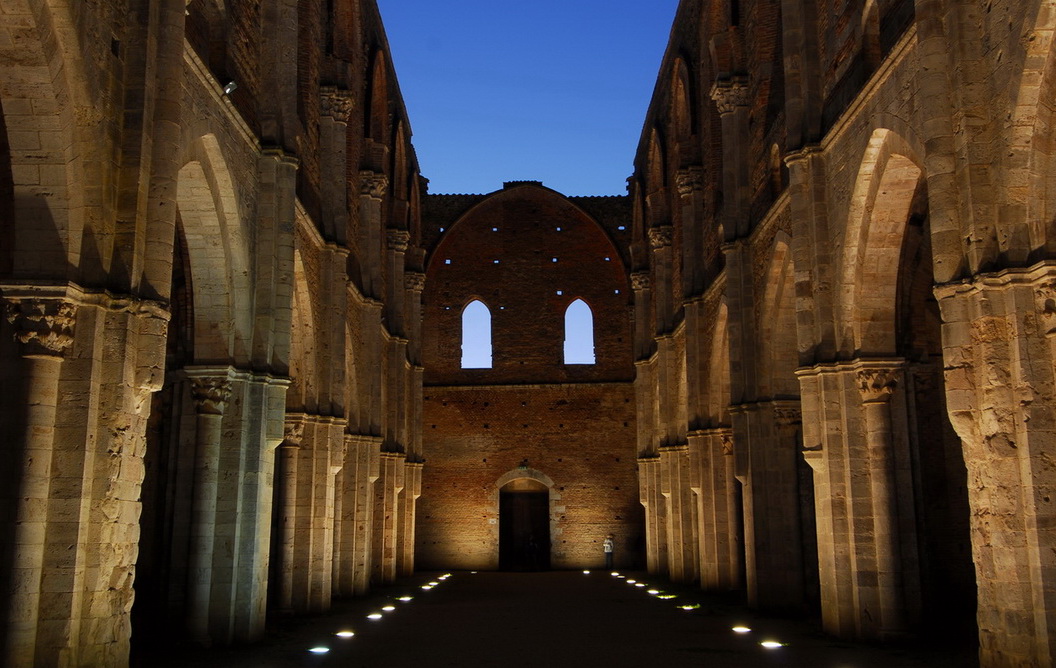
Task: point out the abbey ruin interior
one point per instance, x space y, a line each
823 325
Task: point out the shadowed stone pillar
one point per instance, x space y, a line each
336 107
675 488
412 490
651 497
372 191
386 516
211 392
731 100
660 242
287 487
876 386
721 549
44 330
360 473
999 354
690 183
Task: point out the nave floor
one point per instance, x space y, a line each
553 619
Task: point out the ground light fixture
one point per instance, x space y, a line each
586 572
319 650
640 584
741 629
667 597
345 634
406 599
772 644
690 606
375 616
434 583
614 574
389 608
653 592
427 587
631 582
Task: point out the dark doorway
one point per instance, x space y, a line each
524 526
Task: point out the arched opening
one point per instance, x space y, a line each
476 336
579 333
524 525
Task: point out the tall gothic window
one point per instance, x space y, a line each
476 336
579 333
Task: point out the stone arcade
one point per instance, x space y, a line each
824 320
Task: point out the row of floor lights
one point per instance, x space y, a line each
375 616
740 629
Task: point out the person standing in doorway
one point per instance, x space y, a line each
608 544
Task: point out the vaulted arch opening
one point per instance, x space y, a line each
476 336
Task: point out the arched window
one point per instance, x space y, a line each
476 336
579 334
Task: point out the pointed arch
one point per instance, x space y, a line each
889 188
579 333
378 109
476 336
779 323
218 248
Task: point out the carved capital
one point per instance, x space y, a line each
373 184
787 416
690 181
293 434
727 442
877 385
336 103
44 327
211 394
640 280
660 236
398 240
414 280
730 95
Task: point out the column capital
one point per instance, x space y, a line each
398 240
211 394
293 431
414 281
373 184
336 103
690 181
730 95
660 236
787 414
44 326
640 280
876 384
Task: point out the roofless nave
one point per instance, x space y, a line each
821 320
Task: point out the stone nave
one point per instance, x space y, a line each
822 319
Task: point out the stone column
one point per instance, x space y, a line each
287 486
386 517
44 328
336 107
371 194
211 390
721 547
643 338
690 183
674 473
651 497
412 490
731 100
660 243
876 385
999 353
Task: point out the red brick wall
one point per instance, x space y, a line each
574 426
581 437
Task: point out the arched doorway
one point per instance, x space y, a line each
524 525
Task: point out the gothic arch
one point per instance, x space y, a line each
778 323
303 362
39 94
1027 224
378 110
218 248
889 186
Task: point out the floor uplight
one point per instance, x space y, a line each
434 583
667 597
614 574
389 608
654 592
771 644
344 634
375 616
319 650
631 582
586 572
690 606
427 587
406 599
741 629
639 584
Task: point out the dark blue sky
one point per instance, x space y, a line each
547 90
